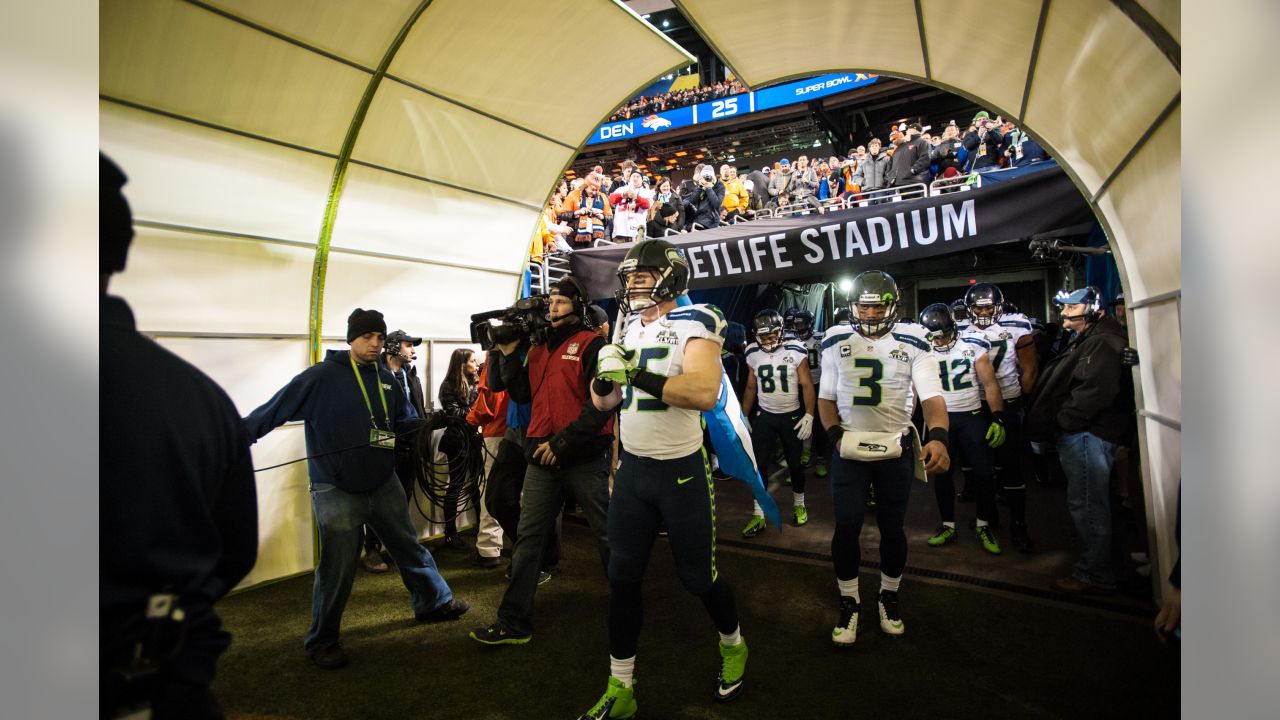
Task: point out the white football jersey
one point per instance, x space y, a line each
1004 336
956 371
649 427
872 381
813 348
777 375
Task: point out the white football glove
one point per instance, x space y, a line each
804 427
615 363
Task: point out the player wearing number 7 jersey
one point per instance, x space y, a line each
661 377
964 367
872 374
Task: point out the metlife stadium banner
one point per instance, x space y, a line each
847 241
732 106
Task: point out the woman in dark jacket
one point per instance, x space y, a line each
459 443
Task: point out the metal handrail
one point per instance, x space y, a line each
960 183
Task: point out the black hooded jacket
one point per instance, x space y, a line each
1086 388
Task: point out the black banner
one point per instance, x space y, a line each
776 249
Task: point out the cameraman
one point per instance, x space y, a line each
703 198
567 445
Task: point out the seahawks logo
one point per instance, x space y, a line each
872 447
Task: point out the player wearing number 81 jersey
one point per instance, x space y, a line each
802 325
779 382
872 374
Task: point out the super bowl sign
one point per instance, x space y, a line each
732 106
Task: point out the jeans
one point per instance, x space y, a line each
340 515
1086 460
545 489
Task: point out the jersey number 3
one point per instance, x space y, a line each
870 382
646 404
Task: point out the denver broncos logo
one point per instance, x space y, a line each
653 122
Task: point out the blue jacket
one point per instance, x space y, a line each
327 398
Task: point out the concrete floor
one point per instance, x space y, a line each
963 561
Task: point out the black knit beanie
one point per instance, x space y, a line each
360 322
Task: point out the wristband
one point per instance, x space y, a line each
651 383
602 387
834 433
997 416
939 435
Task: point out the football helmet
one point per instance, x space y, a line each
936 318
959 312
800 323
984 302
873 288
766 328
662 258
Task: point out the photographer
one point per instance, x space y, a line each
703 198
983 142
567 446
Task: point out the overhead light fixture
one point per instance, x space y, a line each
666 23
817 143
682 153
846 285
652 159
731 159
699 156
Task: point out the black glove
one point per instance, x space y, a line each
1129 357
834 433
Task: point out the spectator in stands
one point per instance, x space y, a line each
704 200
630 208
690 184
946 154
872 169
983 142
1022 149
665 221
665 197
804 184
831 187
757 186
911 159
736 198
588 212
780 183
1080 404
623 177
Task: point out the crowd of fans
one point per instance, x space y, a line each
648 105
630 203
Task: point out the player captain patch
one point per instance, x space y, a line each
846 351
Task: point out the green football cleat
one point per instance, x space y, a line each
944 535
733 668
754 527
800 515
804 457
821 470
988 538
618 702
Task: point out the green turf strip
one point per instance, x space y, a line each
966 654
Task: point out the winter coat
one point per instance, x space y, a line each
872 171
1086 388
703 204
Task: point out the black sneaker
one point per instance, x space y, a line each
451 610
495 634
1021 540
455 544
488 563
890 618
330 657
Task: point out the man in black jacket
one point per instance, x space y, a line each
567 444
911 159
178 513
1081 403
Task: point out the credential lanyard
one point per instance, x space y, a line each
365 393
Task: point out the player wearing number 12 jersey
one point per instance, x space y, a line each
779 383
872 374
665 372
965 369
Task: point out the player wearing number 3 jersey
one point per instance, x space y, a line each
661 377
872 374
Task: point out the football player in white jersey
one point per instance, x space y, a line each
779 383
1013 353
801 324
965 370
665 372
873 373
960 314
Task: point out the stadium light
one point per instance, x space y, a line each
666 23
846 285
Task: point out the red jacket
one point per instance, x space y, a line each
489 411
